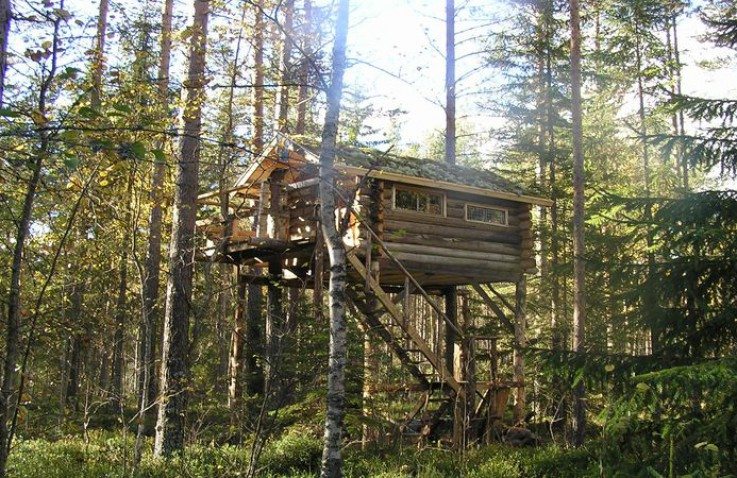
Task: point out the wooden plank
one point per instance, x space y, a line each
430 274
400 228
470 264
439 241
495 308
397 315
452 252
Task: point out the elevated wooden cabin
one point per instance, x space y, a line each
447 225
412 228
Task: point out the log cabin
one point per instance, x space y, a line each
411 227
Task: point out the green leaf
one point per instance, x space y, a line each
8 113
71 162
159 154
122 107
88 112
138 149
642 387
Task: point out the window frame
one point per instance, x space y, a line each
428 192
486 206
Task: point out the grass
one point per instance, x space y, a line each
295 454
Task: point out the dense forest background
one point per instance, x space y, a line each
100 104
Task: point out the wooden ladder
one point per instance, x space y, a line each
397 331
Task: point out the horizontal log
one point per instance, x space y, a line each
450 252
399 228
471 264
445 221
439 241
461 274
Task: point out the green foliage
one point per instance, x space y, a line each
680 419
298 449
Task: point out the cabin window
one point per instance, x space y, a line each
485 214
419 201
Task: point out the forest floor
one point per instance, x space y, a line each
294 454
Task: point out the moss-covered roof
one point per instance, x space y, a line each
368 158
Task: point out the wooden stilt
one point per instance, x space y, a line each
520 339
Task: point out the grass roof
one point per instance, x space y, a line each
368 158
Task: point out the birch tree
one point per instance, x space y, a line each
150 276
332 462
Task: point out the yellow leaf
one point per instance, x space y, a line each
104 183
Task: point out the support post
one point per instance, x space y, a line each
253 348
237 342
468 371
520 339
370 350
274 295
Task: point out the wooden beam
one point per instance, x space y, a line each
495 308
435 184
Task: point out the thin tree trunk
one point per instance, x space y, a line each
98 64
150 312
679 91
237 341
174 369
13 319
301 124
6 13
332 461
257 142
520 343
579 287
649 301
450 83
285 66
118 365
77 344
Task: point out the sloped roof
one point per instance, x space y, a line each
367 158
424 172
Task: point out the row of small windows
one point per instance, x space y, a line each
434 204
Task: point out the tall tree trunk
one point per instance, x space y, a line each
13 318
257 142
285 66
579 286
520 343
649 302
450 82
679 91
332 461
174 368
77 344
6 13
150 311
254 317
99 56
301 124
237 341
118 365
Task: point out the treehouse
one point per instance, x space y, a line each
414 231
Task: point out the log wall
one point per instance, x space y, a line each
440 250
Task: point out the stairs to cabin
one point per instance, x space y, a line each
386 318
